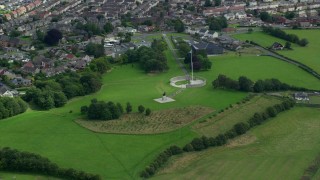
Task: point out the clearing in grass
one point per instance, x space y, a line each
157 122
240 112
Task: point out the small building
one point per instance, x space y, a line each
210 48
301 96
277 46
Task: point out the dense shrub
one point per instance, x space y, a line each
55 91
16 161
11 106
283 35
245 84
103 110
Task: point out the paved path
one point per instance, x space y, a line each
182 66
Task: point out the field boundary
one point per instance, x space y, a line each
288 60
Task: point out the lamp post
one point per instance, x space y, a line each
191 66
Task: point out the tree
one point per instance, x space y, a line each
128 107
197 144
264 16
90 83
217 2
40 35
287 45
60 99
207 3
101 65
303 42
108 28
217 23
179 26
245 84
241 128
148 112
271 112
97 50
289 15
52 37
141 109
14 33
84 109
258 86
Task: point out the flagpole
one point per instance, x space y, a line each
191 66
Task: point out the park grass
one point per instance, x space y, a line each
306 55
279 149
225 120
55 135
18 176
259 67
157 122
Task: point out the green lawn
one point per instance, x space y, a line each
7 176
259 67
55 135
261 38
279 149
307 55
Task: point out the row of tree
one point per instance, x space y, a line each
11 106
15 161
199 144
276 32
247 85
151 59
54 92
101 110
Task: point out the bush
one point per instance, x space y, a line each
241 128
188 148
148 112
271 112
197 144
141 109
175 150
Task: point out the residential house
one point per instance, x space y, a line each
5 91
209 47
301 96
277 46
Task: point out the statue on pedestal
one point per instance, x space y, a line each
164 97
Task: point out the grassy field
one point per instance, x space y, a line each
307 55
55 135
238 113
279 149
259 67
8 176
261 38
157 122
